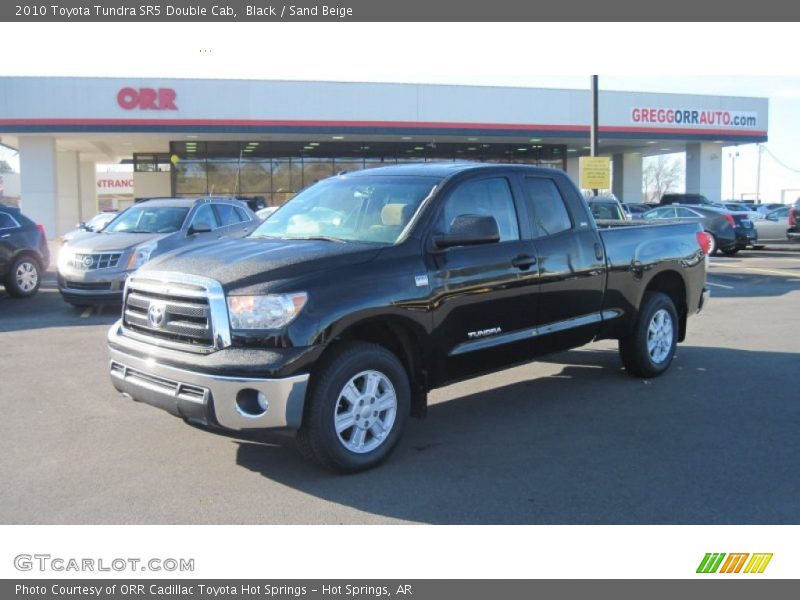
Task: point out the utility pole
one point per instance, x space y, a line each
758 175
593 130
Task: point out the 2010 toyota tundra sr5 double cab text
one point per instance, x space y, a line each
347 305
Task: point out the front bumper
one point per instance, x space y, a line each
212 400
101 286
223 389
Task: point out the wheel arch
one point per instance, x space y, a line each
672 284
403 338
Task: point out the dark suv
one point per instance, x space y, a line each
24 254
793 232
693 199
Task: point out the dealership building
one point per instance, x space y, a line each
269 139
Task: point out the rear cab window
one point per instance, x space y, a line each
549 213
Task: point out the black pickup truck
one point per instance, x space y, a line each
346 306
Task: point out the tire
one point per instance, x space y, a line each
24 277
714 246
731 251
340 390
647 353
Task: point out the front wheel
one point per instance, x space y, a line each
648 348
357 408
24 277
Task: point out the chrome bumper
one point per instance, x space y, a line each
236 403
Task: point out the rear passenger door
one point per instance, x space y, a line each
483 296
571 265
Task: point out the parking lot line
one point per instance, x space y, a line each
87 312
727 287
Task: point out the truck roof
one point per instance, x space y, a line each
446 169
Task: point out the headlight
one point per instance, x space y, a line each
141 254
64 257
265 312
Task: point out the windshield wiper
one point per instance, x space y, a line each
322 238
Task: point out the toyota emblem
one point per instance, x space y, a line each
155 314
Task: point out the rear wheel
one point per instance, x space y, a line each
648 348
357 408
24 277
712 247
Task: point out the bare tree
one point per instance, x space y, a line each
661 175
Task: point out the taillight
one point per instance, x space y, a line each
704 239
729 216
791 218
41 228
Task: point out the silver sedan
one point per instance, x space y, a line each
774 225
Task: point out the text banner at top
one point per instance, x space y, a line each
396 10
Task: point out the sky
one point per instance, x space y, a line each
626 56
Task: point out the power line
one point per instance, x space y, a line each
779 161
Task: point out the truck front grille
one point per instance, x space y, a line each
176 310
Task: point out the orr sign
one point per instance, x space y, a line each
146 98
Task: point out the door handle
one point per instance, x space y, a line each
598 251
524 262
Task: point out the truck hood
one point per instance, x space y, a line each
111 242
252 261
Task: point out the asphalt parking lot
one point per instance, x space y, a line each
569 440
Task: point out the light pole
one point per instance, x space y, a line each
734 155
758 175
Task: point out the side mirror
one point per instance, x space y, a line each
198 228
772 217
469 230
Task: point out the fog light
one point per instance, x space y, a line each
251 403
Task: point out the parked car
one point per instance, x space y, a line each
747 209
93 270
793 231
635 210
688 199
763 209
605 208
24 254
339 313
93 225
774 225
730 232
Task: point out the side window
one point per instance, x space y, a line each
491 197
243 216
227 214
205 215
6 221
685 213
549 212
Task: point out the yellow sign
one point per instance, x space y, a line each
595 172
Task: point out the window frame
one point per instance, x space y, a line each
197 212
217 210
519 209
13 220
531 207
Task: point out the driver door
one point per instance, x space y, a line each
205 217
483 296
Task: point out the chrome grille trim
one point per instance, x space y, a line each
196 306
102 260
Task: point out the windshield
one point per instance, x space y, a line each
364 209
148 219
97 222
